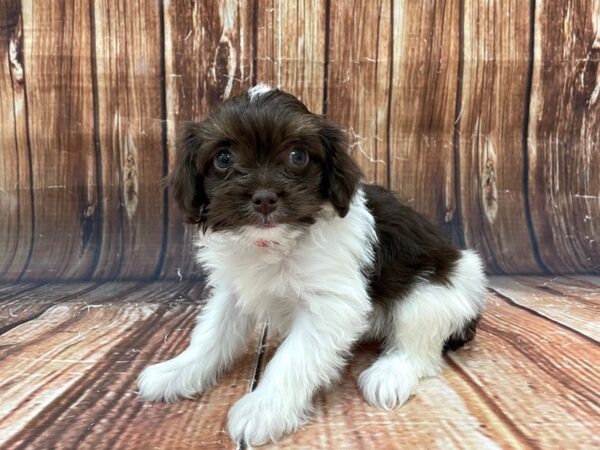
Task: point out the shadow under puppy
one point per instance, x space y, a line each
288 234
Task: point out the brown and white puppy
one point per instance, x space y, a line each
287 233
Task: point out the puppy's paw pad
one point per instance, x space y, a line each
168 381
258 419
387 386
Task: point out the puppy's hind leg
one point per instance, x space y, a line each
423 323
219 336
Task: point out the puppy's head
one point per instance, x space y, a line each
262 159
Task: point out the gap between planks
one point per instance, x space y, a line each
258 367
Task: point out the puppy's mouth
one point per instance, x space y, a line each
270 221
266 221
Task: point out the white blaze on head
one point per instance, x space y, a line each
259 89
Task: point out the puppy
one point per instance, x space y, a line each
288 234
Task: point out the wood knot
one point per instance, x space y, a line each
15 54
124 142
88 222
489 191
130 178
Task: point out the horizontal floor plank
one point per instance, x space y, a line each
24 304
11 290
69 375
569 302
541 377
46 357
527 380
590 280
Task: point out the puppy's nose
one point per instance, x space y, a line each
265 201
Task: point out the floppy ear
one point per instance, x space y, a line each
342 174
185 179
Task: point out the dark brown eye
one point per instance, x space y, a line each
298 157
224 159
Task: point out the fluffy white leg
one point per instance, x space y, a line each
422 324
219 336
309 358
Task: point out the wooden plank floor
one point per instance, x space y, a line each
70 354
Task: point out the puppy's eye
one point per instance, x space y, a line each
298 157
224 159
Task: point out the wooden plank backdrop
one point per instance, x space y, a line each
56 56
483 115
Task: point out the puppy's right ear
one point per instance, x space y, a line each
186 180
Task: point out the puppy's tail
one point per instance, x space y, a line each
461 337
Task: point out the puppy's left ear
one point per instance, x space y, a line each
342 174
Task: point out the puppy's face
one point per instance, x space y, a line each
262 160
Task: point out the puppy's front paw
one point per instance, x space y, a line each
171 380
387 383
260 417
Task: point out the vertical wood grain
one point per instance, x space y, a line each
492 117
359 80
16 217
208 58
127 61
438 88
424 95
57 55
291 48
564 135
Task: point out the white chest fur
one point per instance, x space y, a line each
273 271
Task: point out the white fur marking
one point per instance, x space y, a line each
257 90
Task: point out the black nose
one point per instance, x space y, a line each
265 201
